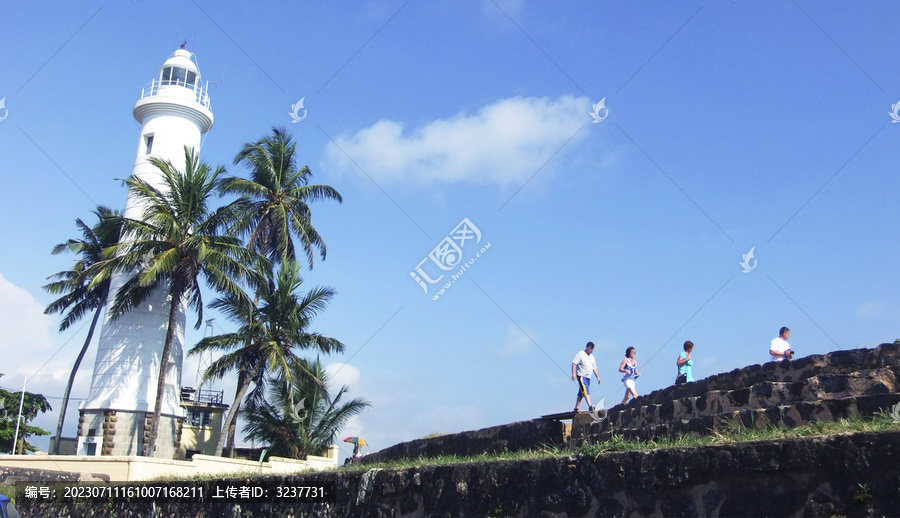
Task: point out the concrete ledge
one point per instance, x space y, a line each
132 469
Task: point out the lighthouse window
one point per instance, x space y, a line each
148 143
178 76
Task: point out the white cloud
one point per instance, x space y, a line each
504 143
24 327
49 357
517 341
872 310
341 374
353 428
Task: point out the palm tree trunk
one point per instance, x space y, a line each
232 412
229 445
65 401
163 367
236 406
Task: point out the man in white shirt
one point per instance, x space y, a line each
779 348
582 366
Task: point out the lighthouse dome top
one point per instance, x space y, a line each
181 59
177 91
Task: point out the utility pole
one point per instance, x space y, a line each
19 418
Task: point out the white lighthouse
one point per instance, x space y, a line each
115 419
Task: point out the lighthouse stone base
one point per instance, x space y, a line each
124 432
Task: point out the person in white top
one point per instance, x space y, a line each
582 366
779 348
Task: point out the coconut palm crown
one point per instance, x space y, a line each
269 335
274 202
179 240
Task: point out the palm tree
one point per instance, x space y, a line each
178 240
307 427
274 201
273 206
269 332
77 297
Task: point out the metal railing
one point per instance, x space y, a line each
200 93
212 397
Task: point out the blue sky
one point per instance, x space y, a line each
730 126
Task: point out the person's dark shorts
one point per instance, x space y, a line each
584 386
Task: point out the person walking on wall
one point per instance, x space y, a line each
779 348
582 366
684 363
629 367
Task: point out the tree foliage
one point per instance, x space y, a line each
300 418
274 201
178 241
78 295
269 335
33 405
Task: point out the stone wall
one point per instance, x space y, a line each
819 387
124 432
851 475
523 435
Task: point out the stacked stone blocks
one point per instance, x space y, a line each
827 387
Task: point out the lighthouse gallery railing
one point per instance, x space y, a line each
201 95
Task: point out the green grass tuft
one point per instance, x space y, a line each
734 432
8 490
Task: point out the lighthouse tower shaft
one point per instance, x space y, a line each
115 419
